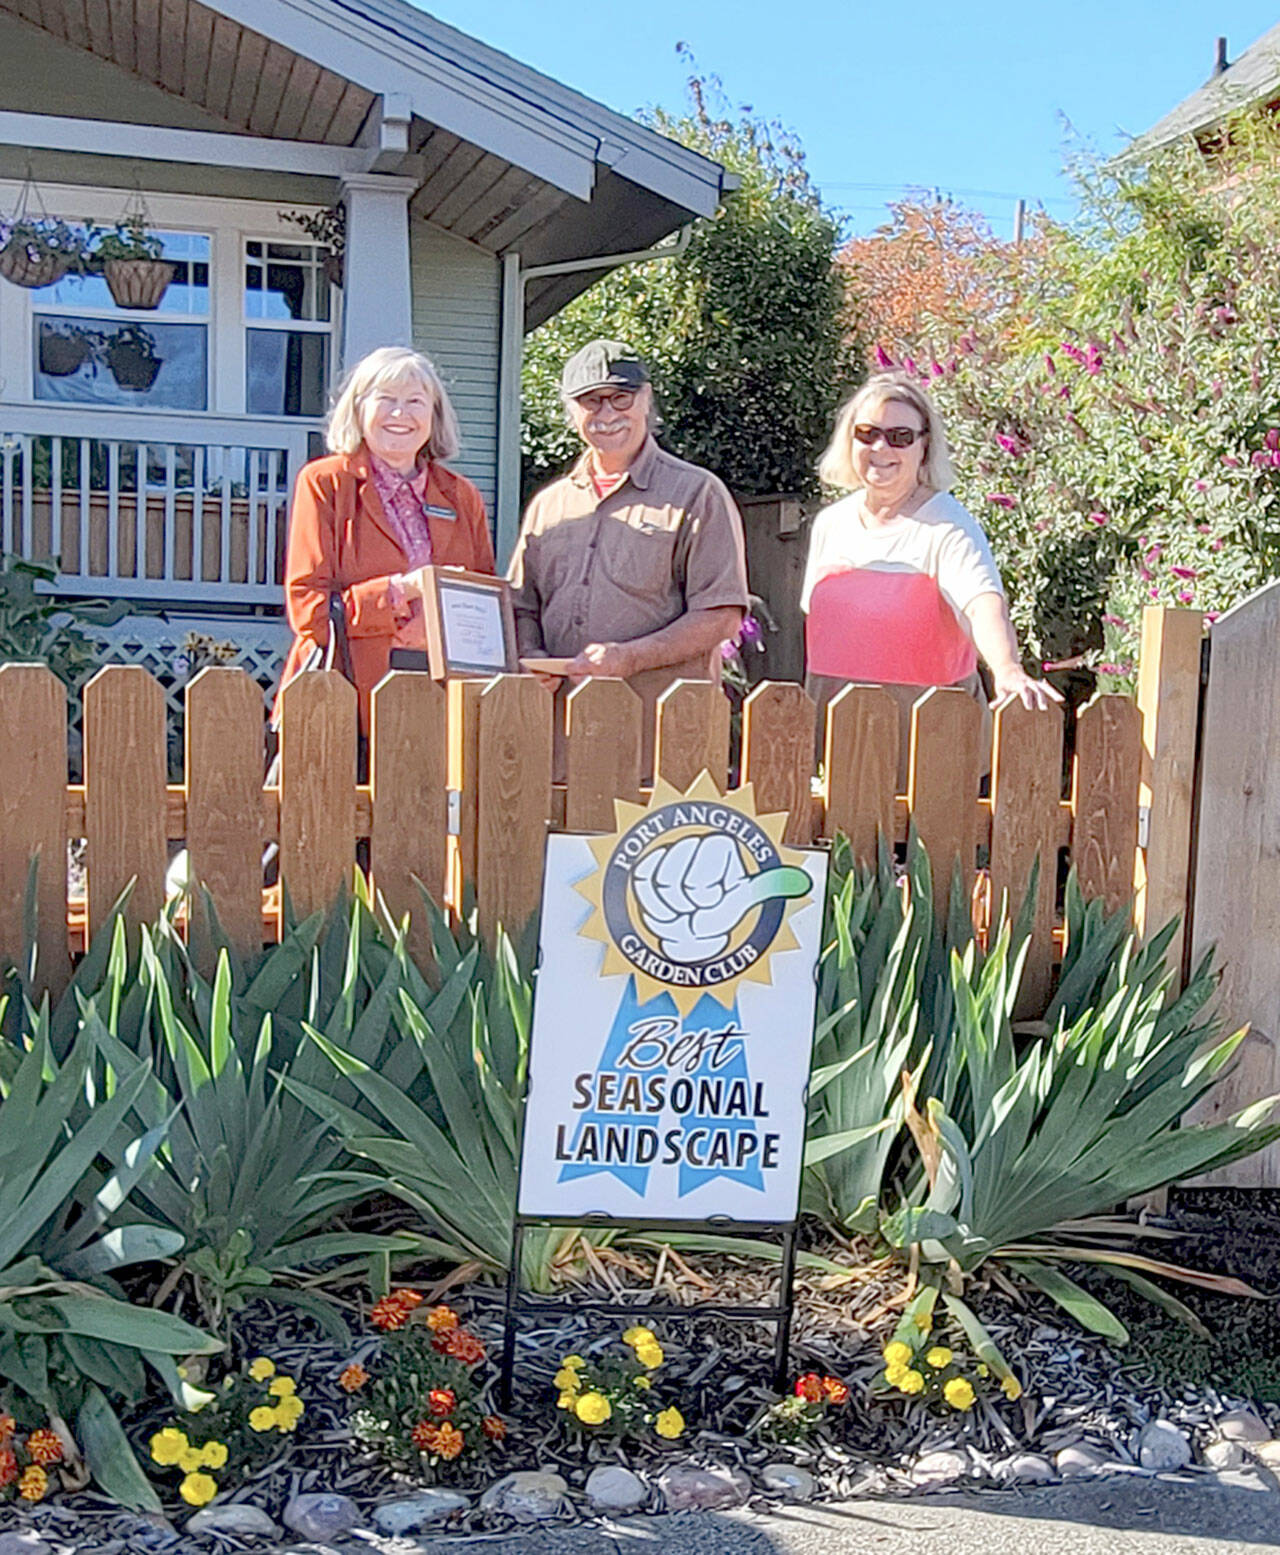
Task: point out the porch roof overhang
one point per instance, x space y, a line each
503 156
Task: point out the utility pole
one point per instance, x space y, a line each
1019 221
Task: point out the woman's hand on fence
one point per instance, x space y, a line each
1014 681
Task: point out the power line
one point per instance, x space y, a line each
972 194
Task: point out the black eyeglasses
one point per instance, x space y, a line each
895 437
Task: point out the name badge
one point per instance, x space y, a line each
435 512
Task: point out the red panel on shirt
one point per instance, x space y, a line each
886 626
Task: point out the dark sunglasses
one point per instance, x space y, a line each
895 437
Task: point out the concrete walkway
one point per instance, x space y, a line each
1114 1516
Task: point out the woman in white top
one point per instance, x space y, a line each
900 588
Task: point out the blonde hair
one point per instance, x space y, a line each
835 468
379 370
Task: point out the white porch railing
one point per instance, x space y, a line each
183 508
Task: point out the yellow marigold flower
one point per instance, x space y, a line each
263 1418
198 1489
190 1459
283 1387
573 1362
167 1446
641 1382
1011 1388
911 1381
261 1369
592 1408
288 1412
939 1357
638 1336
893 1375
34 1483
214 1455
924 1321
650 1355
566 1401
567 1380
670 1423
897 1353
982 1369
959 1393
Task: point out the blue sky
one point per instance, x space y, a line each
958 97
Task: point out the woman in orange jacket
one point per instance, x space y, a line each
378 507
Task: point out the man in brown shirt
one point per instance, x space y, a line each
632 565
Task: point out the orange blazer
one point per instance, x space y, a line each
340 541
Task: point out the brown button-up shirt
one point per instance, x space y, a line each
588 569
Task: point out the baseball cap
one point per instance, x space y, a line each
604 364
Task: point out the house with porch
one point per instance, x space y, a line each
150 450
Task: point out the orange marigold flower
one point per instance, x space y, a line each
835 1391
424 1435
441 1319
8 1425
809 1387
34 1484
353 1378
494 1428
408 1299
449 1441
389 1315
8 1467
441 1402
44 1446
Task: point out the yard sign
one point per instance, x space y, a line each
673 1017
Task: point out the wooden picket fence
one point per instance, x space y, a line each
461 793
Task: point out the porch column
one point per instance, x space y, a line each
377 296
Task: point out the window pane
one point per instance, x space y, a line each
96 362
286 281
287 372
188 292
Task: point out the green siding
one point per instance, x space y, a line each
457 297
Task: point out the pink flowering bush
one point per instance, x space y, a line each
1115 416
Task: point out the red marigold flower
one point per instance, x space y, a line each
353 1378
494 1428
442 1402
809 1387
44 1446
835 1390
449 1441
8 1467
424 1436
389 1315
463 1347
441 1319
8 1425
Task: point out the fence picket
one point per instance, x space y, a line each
778 724
602 753
693 734
317 789
33 807
125 775
1104 801
514 794
224 754
408 749
861 761
1026 787
942 787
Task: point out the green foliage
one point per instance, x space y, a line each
1116 415
128 239
34 628
69 1341
742 331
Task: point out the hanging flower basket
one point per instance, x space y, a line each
30 265
137 283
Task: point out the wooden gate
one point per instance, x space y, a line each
1236 898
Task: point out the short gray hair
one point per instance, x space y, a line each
381 368
835 468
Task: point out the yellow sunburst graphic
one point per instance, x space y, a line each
694 892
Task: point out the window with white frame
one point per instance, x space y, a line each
288 326
88 350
